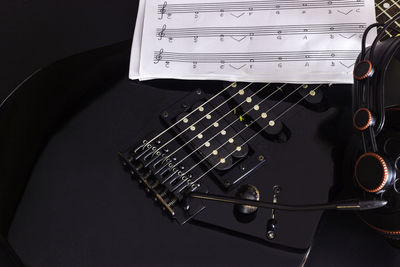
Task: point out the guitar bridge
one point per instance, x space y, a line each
154 171
205 144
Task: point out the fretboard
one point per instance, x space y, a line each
386 10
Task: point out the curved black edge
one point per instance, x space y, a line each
39 106
247 237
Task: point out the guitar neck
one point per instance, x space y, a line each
386 10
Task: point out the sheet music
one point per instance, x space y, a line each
308 41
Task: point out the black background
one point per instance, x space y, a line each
37 33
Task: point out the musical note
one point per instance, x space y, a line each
253 6
288 56
162 10
158 56
161 33
247 40
240 33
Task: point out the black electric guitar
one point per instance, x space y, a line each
278 143
270 142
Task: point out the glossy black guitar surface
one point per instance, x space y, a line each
289 132
63 128
81 207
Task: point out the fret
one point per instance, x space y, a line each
395 3
390 12
386 10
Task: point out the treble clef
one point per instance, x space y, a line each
158 56
161 33
163 10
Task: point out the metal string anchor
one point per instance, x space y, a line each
158 56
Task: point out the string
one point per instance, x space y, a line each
173 125
283 99
193 151
226 114
248 140
385 11
176 136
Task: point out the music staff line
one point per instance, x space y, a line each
221 7
173 33
253 57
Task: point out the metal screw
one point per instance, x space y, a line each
185 106
270 235
242 167
227 182
276 189
165 114
260 157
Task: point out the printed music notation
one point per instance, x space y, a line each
253 57
266 41
252 6
220 32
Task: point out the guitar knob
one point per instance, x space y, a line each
373 173
249 192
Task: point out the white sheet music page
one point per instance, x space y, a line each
294 41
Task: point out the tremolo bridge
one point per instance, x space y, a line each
207 136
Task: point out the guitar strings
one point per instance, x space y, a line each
173 125
192 125
193 151
247 126
283 99
248 140
385 12
394 2
226 114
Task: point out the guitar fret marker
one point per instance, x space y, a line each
238 148
216 124
208 116
271 123
248 99
230 140
201 109
222 160
241 92
223 132
192 128
256 107
263 115
199 136
207 144
312 93
185 120
215 152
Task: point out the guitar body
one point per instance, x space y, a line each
78 192
62 130
303 166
